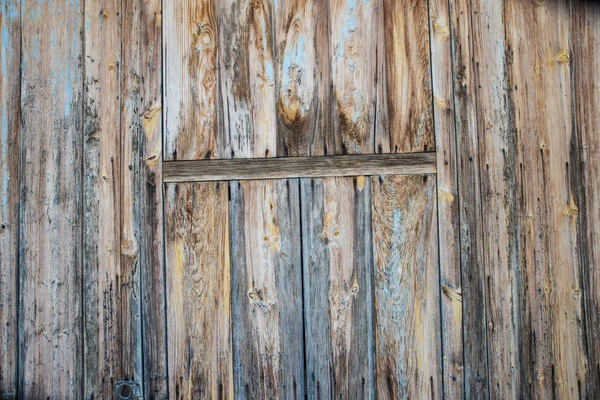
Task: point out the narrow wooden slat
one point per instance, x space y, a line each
303 95
586 53
131 180
352 54
191 74
448 202
10 63
299 167
101 197
338 305
406 283
539 36
407 80
473 271
267 290
198 290
50 259
142 95
247 80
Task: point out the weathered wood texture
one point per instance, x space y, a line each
249 79
50 259
553 350
191 75
448 201
268 345
473 272
10 84
198 290
103 311
586 72
338 296
141 191
299 167
407 111
406 284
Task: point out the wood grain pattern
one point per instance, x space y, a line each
473 272
198 290
10 84
268 340
144 69
496 148
299 167
586 53
352 57
132 136
50 259
448 202
101 199
338 305
246 58
406 284
540 77
303 96
407 79
191 80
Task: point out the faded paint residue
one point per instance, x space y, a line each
353 72
407 312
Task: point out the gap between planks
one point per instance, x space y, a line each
299 167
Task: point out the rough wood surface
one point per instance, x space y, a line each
407 80
554 355
448 201
469 188
586 53
142 246
198 290
338 295
352 58
268 340
101 199
406 283
191 76
10 84
246 57
299 167
50 259
302 57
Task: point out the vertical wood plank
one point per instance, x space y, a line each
191 102
131 181
407 78
540 77
473 272
141 211
352 52
267 289
337 257
101 191
406 284
586 53
10 75
198 290
50 318
246 57
448 202
303 96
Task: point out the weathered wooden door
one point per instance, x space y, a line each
326 280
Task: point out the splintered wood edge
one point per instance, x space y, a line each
299 167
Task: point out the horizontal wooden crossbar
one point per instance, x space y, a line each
299 167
